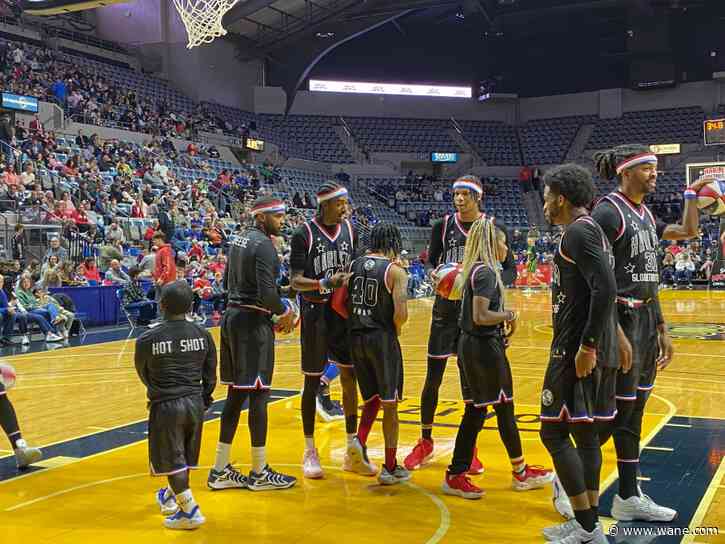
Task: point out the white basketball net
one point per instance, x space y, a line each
203 19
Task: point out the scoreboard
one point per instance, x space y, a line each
714 131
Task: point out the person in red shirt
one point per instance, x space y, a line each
80 217
165 263
218 264
196 250
90 271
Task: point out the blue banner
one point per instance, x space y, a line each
18 102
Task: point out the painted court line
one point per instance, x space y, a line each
706 502
683 425
657 448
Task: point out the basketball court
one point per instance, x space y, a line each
94 482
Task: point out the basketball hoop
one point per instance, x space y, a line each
203 19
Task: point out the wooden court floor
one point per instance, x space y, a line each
84 391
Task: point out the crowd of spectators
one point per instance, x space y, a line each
88 96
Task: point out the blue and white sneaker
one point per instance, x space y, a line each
229 478
166 501
268 479
183 521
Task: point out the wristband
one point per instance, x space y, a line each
587 349
689 194
513 315
324 283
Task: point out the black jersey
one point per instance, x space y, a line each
370 297
583 288
176 359
252 270
481 282
634 235
448 240
319 254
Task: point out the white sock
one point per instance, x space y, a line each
350 440
259 459
21 444
186 501
309 442
223 451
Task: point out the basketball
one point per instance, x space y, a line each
289 303
711 198
7 375
450 281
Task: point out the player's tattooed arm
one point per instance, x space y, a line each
208 375
400 297
667 350
266 263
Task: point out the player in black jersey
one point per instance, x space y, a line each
447 245
583 293
176 361
247 346
635 234
483 366
321 251
378 309
24 455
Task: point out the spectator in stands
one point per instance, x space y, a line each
114 233
116 275
56 249
147 265
27 303
109 251
49 266
27 178
18 243
89 270
134 298
10 177
164 264
7 137
684 268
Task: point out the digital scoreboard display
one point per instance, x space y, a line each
254 144
444 157
714 130
18 102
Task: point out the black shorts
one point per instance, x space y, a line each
175 435
378 364
640 326
247 349
565 397
484 370
605 405
323 337
444 329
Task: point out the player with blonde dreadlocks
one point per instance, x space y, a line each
485 371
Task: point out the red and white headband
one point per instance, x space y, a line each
275 206
465 184
644 158
336 193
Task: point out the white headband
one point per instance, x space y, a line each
334 194
644 158
274 208
467 185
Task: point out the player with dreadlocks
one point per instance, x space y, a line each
447 243
634 234
321 250
485 372
378 309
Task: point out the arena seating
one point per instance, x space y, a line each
546 141
378 135
305 136
496 142
682 125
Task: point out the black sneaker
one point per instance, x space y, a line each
229 478
328 409
268 479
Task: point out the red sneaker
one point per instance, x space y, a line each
461 486
421 454
476 467
533 477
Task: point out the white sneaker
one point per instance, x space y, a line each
640 509
25 340
52 337
25 455
182 520
557 532
166 501
227 478
580 536
398 475
311 465
561 500
356 460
